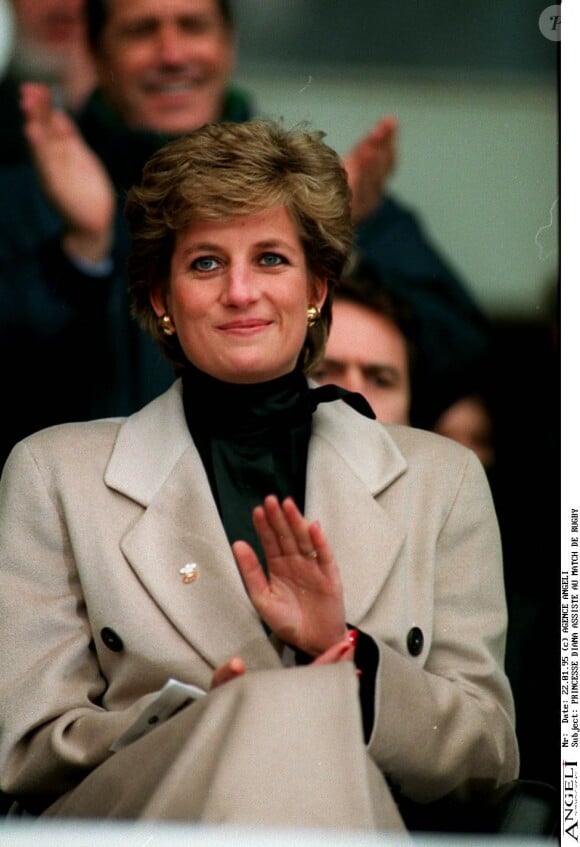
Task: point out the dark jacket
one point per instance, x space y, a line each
452 333
13 147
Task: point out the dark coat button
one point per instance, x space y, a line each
111 640
415 641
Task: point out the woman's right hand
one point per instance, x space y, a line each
232 669
342 651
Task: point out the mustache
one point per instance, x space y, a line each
178 72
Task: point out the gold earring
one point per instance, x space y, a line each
312 316
165 324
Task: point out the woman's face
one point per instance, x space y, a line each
238 295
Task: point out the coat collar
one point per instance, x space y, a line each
352 460
153 440
154 462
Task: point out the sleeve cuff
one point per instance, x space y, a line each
99 270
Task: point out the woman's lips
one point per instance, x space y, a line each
244 327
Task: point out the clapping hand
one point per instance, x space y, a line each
342 651
72 176
368 165
301 598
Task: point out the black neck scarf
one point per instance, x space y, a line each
253 440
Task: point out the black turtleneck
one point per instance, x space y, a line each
253 441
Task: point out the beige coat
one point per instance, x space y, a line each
97 520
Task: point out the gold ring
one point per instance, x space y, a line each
312 554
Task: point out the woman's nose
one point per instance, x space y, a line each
240 287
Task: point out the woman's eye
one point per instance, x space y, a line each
204 263
272 260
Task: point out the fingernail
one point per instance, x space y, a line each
353 636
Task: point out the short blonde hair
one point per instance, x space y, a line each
225 170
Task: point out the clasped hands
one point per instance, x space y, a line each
301 597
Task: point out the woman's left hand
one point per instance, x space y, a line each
301 599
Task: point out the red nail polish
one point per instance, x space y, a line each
353 636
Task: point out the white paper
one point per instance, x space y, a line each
173 696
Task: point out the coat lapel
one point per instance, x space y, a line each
156 464
352 460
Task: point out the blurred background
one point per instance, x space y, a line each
475 88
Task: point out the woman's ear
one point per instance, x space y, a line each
157 302
319 290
